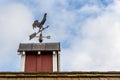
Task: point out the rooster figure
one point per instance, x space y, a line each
38 24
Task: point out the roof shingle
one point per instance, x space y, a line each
39 47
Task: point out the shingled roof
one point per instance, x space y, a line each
39 47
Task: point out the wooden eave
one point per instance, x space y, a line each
60 75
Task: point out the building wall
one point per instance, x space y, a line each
60 76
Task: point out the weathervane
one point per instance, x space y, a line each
41 28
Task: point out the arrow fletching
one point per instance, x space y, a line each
32 36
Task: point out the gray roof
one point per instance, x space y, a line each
39 47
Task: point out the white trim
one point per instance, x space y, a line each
23 53
39 52
54 52
58 60
59 52
54 61
22 62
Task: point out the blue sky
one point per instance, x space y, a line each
88 30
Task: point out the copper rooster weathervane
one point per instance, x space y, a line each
41 28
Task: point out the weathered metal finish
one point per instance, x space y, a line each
52 46
39 24
39 47
24 47
41 28
32 35
40 38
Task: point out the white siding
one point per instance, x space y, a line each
22 62
54 61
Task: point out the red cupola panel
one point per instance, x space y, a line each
44 62
38 62
30 61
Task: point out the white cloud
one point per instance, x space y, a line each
15 23
95 46
90 8
99 48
